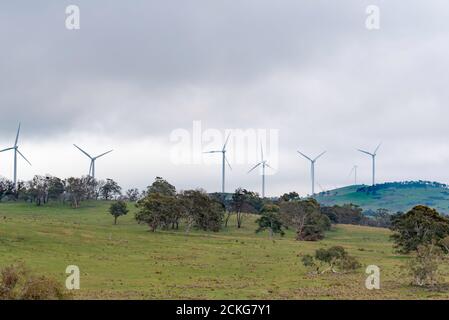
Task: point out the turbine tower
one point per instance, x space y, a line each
16 151
373 156
264 164
92 160
224 160
312 167
354 169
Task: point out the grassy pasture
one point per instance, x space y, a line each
128 262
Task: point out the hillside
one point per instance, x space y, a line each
128 262
394 196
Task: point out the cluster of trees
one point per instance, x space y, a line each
353 214
42 189
163 207
402 185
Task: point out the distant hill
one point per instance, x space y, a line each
394 196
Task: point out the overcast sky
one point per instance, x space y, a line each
137 71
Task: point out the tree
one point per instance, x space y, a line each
334 259
110 189
424 267
270 220
133 194
243 201
345 214
6 188
118 209
161 186
55 188
201 211
37 189
305 216
419 226
76 189
290 196
155 210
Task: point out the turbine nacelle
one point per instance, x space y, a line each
92 160
224 161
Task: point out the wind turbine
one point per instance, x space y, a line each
264 164
16 151
223 161
312 167
373 156
354 169
92 160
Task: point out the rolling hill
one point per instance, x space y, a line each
394 196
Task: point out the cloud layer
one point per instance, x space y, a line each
136 71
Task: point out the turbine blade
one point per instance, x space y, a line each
254 167
304 155
319 155
365 152
215 151
17 136
375 151
269 166
103 154
23 157
261 152
226 142
7 149
350 172
229 165
90 168
82 151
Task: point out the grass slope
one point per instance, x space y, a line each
128 262
391 197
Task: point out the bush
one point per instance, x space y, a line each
424 267
17 283
334 259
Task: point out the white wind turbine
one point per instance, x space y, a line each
92 160
264 164
16 151
312 167
354 169
373 156
224 160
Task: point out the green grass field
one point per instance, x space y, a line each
128 262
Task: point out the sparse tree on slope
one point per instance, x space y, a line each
118 209
270 220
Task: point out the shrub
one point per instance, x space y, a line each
17 283
424 267
335 259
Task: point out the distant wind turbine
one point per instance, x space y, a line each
354 169
92 160
264 164
312 167
224 160
373 156
16 151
